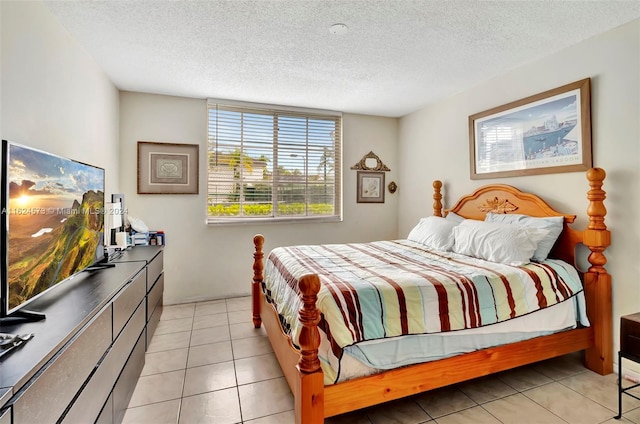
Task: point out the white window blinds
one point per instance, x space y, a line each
272 163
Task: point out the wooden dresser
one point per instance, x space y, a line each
86 356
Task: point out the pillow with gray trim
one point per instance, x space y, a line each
553 224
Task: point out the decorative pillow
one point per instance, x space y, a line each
553 224
496 242
434 232
454 217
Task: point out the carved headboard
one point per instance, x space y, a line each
500 198
507 199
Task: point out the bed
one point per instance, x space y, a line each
302 351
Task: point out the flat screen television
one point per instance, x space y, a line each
52 224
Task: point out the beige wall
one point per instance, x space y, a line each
212 261
431 138
54 97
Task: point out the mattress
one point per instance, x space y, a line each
374 356
421 300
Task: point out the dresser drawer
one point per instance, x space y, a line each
87 406
50 391
5 416
106 415
127 380
127 301
155 296
152 324
154 269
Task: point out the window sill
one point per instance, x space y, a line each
272 220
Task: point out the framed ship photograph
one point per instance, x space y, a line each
546 133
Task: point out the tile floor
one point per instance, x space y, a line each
207 364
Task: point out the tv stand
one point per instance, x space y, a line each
22 316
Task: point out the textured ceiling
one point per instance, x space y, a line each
398 55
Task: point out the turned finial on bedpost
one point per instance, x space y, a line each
596 236
437 198
309 340
258 255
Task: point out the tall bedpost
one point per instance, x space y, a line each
258 255
437 198
309 397
596 280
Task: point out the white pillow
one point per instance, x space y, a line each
434 232
496 242
454 217
553 224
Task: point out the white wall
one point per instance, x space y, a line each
54 97
434 144
213 261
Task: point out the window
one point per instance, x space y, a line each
272 163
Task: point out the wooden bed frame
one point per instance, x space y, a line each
314 401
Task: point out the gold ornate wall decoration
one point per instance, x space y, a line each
362 164
496 205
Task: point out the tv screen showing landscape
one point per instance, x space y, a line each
53 221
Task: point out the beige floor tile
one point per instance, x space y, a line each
162 342
288 417
165 361
523 378
444 401
475 415
252 346
244 330
210 335
211 353
219 407
177 311
265 398
174 325
562 366
213 320
568 404
486 389
156 413
216 307
157 388
208 378
257 368
239 317
215 387
519 409
632 416
602 389
403 411
239 304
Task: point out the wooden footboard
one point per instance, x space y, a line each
301 367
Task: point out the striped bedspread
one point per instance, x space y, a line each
393 288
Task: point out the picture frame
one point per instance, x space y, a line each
370 187
167 168
546 133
